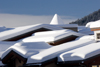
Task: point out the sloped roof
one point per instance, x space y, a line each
81 53
86 37
5 45
56 50
94 24
41 51
26 49
24 29
88 24
86 31
49 36
56 20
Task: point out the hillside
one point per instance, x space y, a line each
91 17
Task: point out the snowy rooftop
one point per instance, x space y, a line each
56 50
81 53
41 51
36 50
86 37
49 36
86 31
21 30
95 24
26 49
4 46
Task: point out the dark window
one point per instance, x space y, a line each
98 36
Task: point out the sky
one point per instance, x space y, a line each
14 13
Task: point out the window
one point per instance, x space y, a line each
98 35
94 65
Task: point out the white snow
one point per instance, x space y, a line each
86 31
81 28
56 50
88 24
86 37
56 20
21 30
27 49
81 53
93 24
4 46
49 36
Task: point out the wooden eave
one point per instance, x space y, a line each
95 29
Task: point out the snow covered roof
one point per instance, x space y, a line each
56 20
81 28
56 50
26 49
95 24
86 31
4 46
49 36
24 29
88 24
81 53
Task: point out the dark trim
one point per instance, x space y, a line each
88 61
13 55
71 28
63 40
42 64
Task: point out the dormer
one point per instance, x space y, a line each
95 26
96 33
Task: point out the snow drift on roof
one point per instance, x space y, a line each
88 24
4 46
56 20
81 53
49 36
81 28
94 24
56 50
26 49
86 31
24 29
